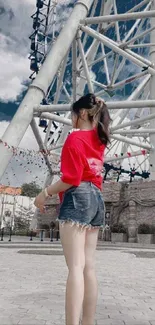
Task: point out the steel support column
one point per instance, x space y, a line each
39 87
152 96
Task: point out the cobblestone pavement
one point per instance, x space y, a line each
32 288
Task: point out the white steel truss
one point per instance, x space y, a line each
114 57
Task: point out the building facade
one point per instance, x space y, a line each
128 203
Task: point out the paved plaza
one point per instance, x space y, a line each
32 286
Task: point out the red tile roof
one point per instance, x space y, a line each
10 190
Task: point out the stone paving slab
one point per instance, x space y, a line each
32 288
25 240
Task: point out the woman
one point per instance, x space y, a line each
82 206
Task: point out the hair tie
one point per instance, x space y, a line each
97 101
100 104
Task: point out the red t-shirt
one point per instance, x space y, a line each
82 158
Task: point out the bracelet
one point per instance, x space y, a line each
46 193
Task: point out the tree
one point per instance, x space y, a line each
30 190
23 217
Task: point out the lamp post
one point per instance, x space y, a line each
2 233
2 220
11 225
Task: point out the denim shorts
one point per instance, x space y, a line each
84 206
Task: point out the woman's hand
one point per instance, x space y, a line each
55 188
40 202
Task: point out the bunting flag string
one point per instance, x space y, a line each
129 154
107 168
31 152
132 172
35 158
23 152
27 168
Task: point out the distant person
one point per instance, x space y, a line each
82 210
52 225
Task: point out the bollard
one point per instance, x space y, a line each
51 234
10 234
2 234
57 238
42 235
31 235
107 233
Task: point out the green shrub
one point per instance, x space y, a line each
153 230
118 228
44 226
24 233
33 233
144 228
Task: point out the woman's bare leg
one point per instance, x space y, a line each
90 281
73 242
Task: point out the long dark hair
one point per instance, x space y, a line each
97 113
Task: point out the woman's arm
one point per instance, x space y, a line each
49 191
72 166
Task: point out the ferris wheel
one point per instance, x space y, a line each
46 28
104 47
111 59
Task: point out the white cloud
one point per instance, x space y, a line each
15 26
15 29
30 2
14 71
16 23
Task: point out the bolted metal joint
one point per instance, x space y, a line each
80 2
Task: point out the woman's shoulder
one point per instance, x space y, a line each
73 137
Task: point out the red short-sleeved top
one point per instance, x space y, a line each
82 158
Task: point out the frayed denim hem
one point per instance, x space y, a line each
78 224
